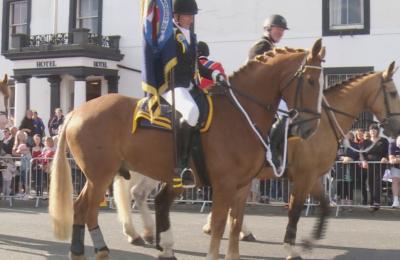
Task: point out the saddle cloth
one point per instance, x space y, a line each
142 118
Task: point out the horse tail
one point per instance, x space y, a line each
60 197
122 199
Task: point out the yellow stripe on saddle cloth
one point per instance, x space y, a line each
142 118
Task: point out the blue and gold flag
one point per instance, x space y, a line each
159 51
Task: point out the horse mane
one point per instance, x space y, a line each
346 82
265 58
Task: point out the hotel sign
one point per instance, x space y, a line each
46 64
69 62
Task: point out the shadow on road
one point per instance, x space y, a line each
58 250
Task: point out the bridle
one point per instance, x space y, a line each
338 130
299 75
299 100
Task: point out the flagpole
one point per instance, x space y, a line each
174 122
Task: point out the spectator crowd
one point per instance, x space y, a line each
26 152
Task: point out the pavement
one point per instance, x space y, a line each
25 233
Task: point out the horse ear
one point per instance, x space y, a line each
387 74
316 48
322 53
5 80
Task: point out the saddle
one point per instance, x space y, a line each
142 119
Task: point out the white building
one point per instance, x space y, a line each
64 52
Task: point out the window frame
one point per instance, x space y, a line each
340 30
5 42
73 17
11 25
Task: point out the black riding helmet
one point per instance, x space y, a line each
187 7
202 49
276 20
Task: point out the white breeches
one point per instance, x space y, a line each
184 104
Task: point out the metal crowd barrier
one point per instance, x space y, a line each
347 185
355 186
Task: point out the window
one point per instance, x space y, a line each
16 19
334 76
86 14
345 14
346 17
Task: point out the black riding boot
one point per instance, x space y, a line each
185 137
277 139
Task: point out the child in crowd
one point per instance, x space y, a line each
8 173
21 149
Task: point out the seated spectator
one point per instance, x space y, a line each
394 160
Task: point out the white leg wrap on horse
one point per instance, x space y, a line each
98 240
184 104
291 250
167 242
245 231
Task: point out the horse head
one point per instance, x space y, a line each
303 91
384 102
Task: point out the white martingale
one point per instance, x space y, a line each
346 142
268 154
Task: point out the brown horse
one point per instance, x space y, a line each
375 92
99 136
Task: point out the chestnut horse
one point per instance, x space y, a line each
342 104
99 137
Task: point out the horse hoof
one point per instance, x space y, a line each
72 256
102 255
167 258
159 248
207 231
149 239
138 241
249 238
294 258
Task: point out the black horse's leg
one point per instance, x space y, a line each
164 239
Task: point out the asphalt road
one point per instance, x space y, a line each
25 233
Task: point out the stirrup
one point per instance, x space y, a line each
192 181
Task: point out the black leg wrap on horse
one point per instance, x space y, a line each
98 241
320 227
290 235
78 238
162 204
291 229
